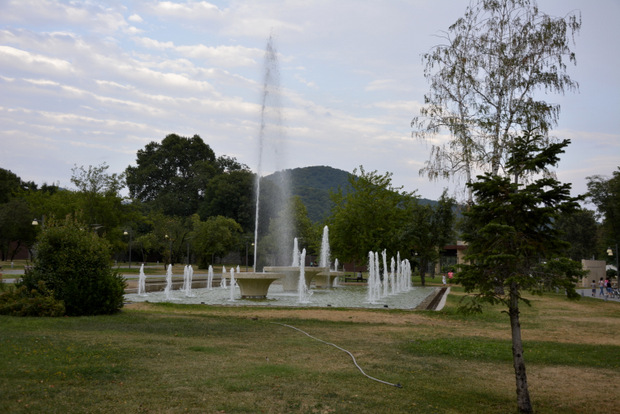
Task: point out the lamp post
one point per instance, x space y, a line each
168 238
610 252
35 222
130 233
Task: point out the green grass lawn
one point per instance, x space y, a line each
162 358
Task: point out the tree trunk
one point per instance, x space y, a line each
523 395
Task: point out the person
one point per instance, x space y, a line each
601 285
443 279
609 289
593 286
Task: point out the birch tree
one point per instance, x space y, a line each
486 79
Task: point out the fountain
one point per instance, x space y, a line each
303 290
272 153
296 253
168 289
297 277
223 280
325 279
142 282
188 273
210 278
232 285
254 285
373 294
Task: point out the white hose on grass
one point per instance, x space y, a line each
344 350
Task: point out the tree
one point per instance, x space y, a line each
99 202
579 228
231 194
514 244
484 82
172 175
74 262
367 217
428 229
10 183
214 237
16 229
604 192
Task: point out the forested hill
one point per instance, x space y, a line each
313 185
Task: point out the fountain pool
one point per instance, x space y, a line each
342 297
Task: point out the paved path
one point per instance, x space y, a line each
588 293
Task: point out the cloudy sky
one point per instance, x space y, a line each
91 82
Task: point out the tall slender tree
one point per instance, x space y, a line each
484 83
514 244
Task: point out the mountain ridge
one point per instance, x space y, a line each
313 186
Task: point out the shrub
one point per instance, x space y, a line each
19 301
75 265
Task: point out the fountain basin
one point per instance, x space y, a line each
325 280
290 282
256 285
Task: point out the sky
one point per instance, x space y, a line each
90 82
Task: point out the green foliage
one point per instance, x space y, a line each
20 301
74 263
16 228
512 243
428 229
231 194
579 228
172 175
367 217
9 185
604 192
214 237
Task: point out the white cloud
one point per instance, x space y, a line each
81 85
195 10
135 18
14 58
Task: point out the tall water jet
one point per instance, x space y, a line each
142 282
232 285
184 288
271 149
188 281
223 280
324 258
210 278
168 289
303 290
296 253
386 276
335 282
393 276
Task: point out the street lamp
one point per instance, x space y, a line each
130 233
168 238
610 252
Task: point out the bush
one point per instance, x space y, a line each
75 265
36 302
